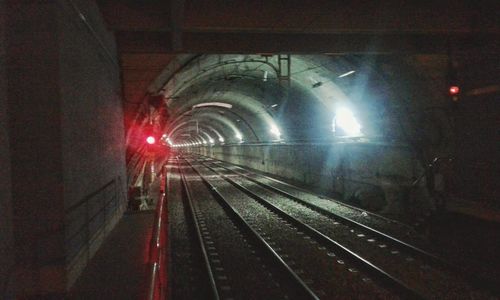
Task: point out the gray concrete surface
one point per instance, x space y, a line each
347 170
119 270
93 136
66 140
35 134
6 242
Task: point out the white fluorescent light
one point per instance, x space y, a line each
347 74
218 104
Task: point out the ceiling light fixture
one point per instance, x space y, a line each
217 104
347 74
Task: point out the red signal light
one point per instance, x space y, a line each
454 90
150 140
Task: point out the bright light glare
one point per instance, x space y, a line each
347 74
211 140
221 139
344 118
150 140
454 90
204 142
239 136
275 131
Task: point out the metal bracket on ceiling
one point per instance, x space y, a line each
284 66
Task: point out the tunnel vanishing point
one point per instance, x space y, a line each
388 107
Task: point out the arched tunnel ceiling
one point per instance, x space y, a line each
271 106
275 26
227 127
151 34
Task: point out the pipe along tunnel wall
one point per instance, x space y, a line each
375 176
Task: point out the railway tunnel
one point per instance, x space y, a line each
196 150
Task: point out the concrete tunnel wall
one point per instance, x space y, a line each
67 142
397 100
388 95
6 241
369 172
93 136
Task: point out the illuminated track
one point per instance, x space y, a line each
392 262
206 259
339 218
220 285
315 249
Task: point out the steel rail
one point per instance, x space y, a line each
309 192
392 240
361 262
304 288
479 282
213 285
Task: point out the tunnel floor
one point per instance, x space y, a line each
463 239
467 246
120 267
469 241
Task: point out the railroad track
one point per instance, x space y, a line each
317 267
217 235
335 217
185 273
425 259
405 270
391 227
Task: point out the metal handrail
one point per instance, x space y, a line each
103 210
430 168
156 250
85 199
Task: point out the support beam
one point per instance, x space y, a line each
176 20
335 43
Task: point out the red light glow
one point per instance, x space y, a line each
150 140
454 90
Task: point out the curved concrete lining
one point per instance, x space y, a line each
231 128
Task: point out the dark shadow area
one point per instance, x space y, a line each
119 269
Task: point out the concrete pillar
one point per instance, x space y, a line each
35 137
6 241
66 140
